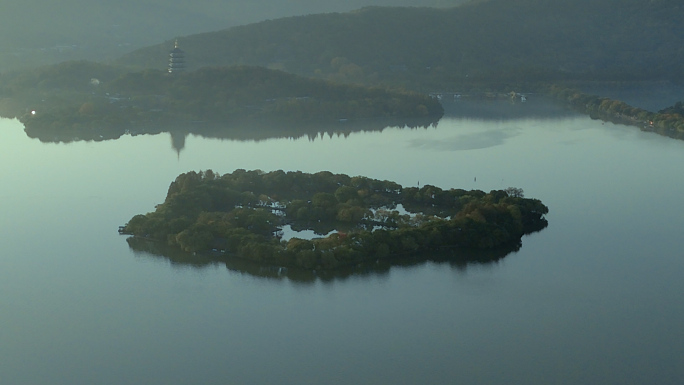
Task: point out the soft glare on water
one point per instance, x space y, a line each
594 298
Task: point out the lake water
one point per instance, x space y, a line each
595 298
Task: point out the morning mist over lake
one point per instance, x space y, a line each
316 192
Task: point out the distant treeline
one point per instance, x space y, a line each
90 100
668 122
240 215
497 41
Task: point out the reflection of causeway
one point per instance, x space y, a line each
459 259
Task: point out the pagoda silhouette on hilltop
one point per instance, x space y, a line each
176 60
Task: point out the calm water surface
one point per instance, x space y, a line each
593 299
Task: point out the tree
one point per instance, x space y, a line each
87 108
515 192
346 193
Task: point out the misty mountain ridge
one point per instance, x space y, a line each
37 32
516 40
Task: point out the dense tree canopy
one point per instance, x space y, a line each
241 213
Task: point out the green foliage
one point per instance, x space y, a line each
240 214
668 122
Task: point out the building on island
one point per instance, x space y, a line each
176 60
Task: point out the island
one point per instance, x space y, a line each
360 220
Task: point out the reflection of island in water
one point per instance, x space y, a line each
459 259
247 130
477 107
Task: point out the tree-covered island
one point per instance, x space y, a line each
242 214
92 101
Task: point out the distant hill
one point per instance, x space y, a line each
37 32
507 40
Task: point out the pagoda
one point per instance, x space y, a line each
176 60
